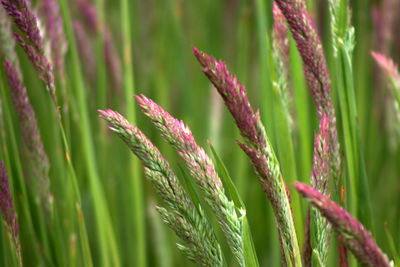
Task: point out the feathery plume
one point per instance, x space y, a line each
37 157
257 147
55 33
349 231
315 68
202 169
31 41
7 209
181 216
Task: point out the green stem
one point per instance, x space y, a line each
108 244
19 177
136 181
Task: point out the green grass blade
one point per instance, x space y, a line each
231 188
106 235
250 256
136 177
303 114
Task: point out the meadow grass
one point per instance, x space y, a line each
301 95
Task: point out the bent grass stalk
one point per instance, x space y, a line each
180 214
315 69
287 154
19 177
320 180
129 90
7 209
343 44
349 231
258 148
108 242
33 45
202 169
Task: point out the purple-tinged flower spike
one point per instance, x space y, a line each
258 149
181 215
202 169
279 34
235 97
89 15
7 209
385 24
113 62
7 43
85 51
280 55
55 33
320 176
349 231
95 26
37 157
390 68
31 41
315 68
392 74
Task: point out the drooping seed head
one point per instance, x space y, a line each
257 147
349 231
235 97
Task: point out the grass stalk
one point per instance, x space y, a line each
136 177
344 44
107 239
18 174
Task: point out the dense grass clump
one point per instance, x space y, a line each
312 91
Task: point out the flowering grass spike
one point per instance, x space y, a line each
38 161
320 178
349 231
315 68
7 209
202 169
31 40
181 216
258 149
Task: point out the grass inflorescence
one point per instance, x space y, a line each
312 97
